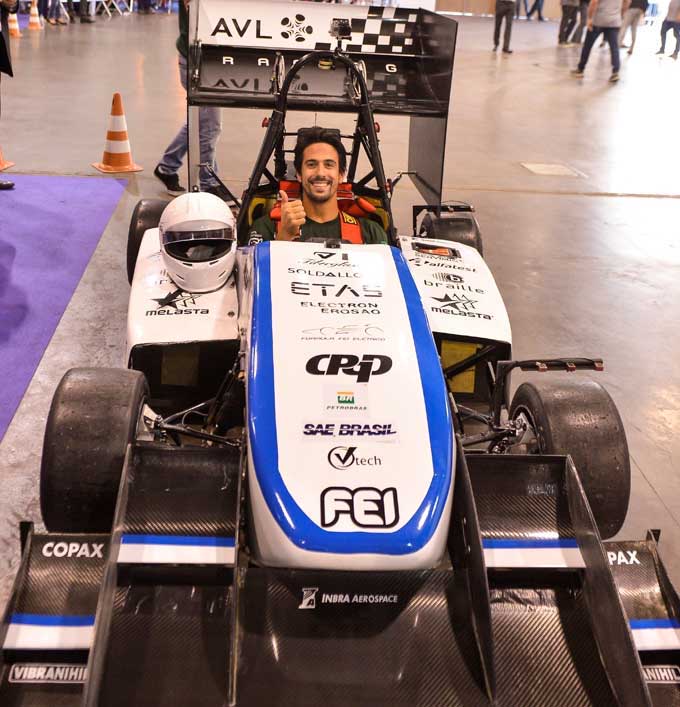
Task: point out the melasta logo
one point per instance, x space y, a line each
176 302
661 673
367 507
47 673
309 595
360 368
458 305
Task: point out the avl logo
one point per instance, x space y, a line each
367 507
360 368
345 457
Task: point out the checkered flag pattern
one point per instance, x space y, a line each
387 30
383 85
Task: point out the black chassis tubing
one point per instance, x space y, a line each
275 131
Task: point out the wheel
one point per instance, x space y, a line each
146 215
459 227
93 418
579 418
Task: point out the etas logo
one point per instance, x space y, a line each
346 457
360 368
61 549
366 507
324 289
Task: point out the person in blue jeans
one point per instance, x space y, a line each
537 6
604 17
210 127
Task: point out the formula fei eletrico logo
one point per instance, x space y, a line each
350 365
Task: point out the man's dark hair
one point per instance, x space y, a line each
309 136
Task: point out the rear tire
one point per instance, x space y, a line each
93 418
146 215
580 418
457 227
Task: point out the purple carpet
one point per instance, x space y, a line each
46 242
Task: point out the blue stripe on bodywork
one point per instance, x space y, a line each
527 543
51 620
299 528
654 623
190 540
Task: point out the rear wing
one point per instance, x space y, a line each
240 51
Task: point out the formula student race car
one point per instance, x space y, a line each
310 485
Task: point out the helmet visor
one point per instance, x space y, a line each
198 246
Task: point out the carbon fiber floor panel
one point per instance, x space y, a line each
168 646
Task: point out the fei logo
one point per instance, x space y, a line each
308 598
362 369
367 507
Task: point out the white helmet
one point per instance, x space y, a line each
198 241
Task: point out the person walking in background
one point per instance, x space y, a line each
569 10
210 127
604 17
672 21
577 36
537 7
631 18
6 6
54 14
504 9
518 4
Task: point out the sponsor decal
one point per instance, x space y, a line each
330 259
436 251
343 598
346 429
623 557
342 274
47 673
296 28
458 305
308 598
350 365
345 401
446 277
420 261
346 457
232 28
347 332
458 286
324 289
177 302
668 674
63 549
368 308
367 507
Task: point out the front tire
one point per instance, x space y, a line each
146 215
92 419
580 418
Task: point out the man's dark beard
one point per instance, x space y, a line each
316 199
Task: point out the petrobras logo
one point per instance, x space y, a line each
345 397
63 549
665 674
365 507
346 429
346 457
350 365
47 673
345 401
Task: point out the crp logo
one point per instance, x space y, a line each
295 28
62 549
367 507
345 457
361 368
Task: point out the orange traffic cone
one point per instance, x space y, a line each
3 163
34 21
14 30
117 156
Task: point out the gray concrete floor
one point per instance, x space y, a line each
587 265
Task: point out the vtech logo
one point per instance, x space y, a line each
360 368
346 457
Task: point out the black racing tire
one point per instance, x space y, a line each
146 215
579 418
460 229
92 419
